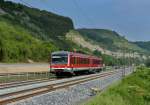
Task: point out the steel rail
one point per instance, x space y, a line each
23 83
16 96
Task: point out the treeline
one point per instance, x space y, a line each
16 44
113 61
110 40
30 33
144 45
41 24
22 53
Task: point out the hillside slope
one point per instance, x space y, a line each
108 39
29 33
17 44
132 90
144 45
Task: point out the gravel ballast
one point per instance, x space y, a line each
74 94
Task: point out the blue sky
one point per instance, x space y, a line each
128 17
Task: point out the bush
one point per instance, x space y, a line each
148 62
97 53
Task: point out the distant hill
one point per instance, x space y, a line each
32 34
108 39
143 45
28 33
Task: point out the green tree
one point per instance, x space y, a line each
97 53
1 51
148 62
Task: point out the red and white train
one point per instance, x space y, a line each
74 63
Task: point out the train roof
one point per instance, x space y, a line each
75 54
60 52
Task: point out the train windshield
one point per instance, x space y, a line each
59 59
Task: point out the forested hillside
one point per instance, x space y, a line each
29 33
144 45
109 40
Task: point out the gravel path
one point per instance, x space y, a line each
23 67
72 95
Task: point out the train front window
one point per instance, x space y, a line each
59 59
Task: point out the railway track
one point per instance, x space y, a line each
23 94
23 83
28 82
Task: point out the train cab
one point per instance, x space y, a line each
60 63
64 62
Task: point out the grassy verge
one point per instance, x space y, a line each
133 90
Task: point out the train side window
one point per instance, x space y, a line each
84 60
70 60
80 60
88 61
77 60
74 60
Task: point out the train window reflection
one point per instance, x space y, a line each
59 59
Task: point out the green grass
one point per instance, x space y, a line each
133 90
29 33
17 44
108 39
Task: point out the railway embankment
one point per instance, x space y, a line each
74 94
133 90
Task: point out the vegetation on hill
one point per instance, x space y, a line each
133 90
43 24
17 44
29 33
147 62
113 61
144 45
108 39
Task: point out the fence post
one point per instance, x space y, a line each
27 76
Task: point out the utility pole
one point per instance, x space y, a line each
123 70
133 61
124 62
116 61
130 60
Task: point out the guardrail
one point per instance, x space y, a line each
105 79
24 76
